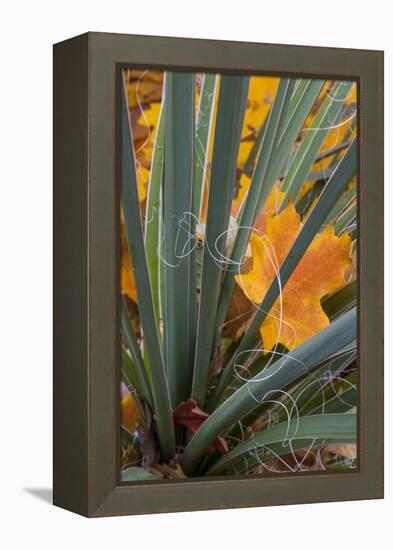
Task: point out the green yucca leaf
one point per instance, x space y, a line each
296 117
307 200
135 241
230 114
339 396
202 132
153 236
135 372
319 380
346 220
305 156
298 88
130 379
332 191
342 204
332 150
340 301
338 428
295 397
284 371
179 258
245 220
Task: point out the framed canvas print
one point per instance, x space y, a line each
218 260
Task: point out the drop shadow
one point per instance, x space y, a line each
45 494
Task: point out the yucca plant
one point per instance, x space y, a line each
238 266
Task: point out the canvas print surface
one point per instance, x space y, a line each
238 246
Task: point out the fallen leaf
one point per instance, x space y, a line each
271 207
347 451
167 472
272 203
262 90
189 415
142 175
320 272
244 151
149 121
127 282
239 311
129 413
144 87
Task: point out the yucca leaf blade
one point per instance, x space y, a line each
306 154
308 430
347 220
202 133
153 235
179 258
284 371
230 114
271 135
340 301
135 241
132 343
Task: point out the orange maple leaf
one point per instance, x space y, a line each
320 272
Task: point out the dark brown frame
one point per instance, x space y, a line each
86 362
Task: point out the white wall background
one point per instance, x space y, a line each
28 30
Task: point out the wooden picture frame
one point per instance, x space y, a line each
86 265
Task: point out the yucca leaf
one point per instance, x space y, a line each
138 379
179 244
347 220
338 428
340 301
230 114
135 241
153 235
340 396
202 133
314 385
332 191
296 396
305 156
296 117
344 201
299 87
257 184
332 151
307 200
284 371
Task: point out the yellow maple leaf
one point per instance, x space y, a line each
320 272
